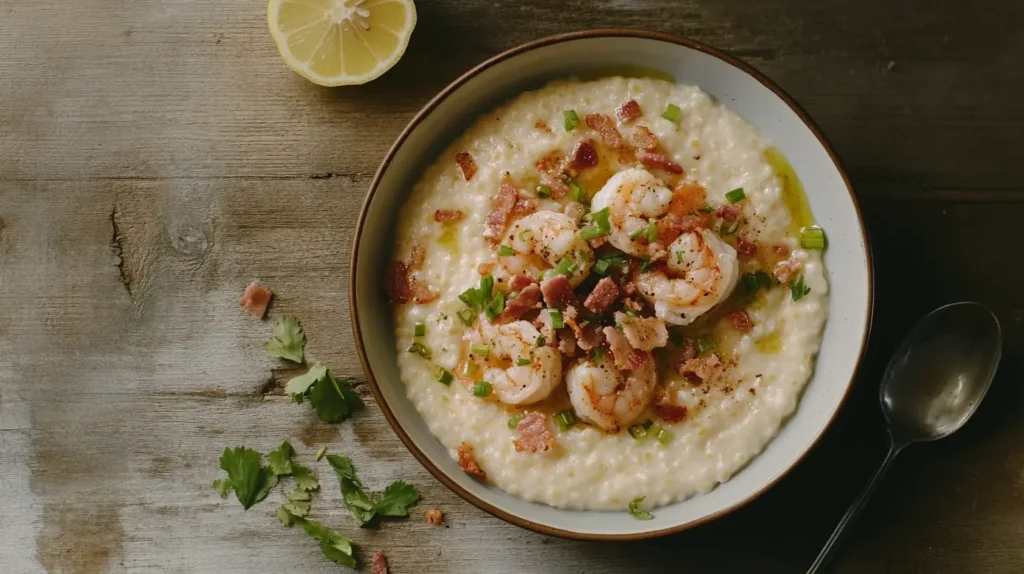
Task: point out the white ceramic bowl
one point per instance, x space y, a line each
743 90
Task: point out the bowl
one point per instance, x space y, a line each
603 52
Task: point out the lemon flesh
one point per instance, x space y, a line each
341 42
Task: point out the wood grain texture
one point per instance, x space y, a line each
156 157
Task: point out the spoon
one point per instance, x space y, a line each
933 384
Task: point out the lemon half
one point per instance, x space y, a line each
341 42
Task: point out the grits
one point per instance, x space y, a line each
734 404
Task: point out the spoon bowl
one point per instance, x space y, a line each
938 376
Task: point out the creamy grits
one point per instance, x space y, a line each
601 291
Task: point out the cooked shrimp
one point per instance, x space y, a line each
701 271
607 397
507 345
541 241
633 197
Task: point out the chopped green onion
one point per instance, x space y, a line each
515 420
565 420
750 284
443 376
798 289
675 337
479 350
597 354
576 192
486 286
636 234
421 350
571 120
525 234
705 343
592 232
631 314
706 209
470 297
601 267
729 227
522 362
541 341
639 431
679 256
764 280
618 325
556 318
735 196
664 436
812 237
467 316
565 267
470 369
543 191
600 217
505 251
671 113
652 232
496 306
420 330
482 389
646 265
636 512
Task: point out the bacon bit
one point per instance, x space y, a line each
630 304
558 293
521 304
380 564
628 111
605 126
643 138
447 215
588 336
416 257
566 342
523 206
467 164
781 250
636 359
787 269
468 463
746 248
534 434
604 294
583 155
700 369
669 412
485 269
552 164
621 351
559 188
659 161
740 321
643 333
687 198
542 126
693 378
728 212
575 210
434 516
422 293
255 300
397 284
520 282
501 206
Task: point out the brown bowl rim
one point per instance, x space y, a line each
451 88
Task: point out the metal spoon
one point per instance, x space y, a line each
932 385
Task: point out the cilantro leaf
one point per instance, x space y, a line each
634 509
335 546
304 477
299 386
333 400
281 459
288 341
299 495
222 486
250 480
397 499
298 508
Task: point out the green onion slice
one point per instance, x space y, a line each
664 436
729 227
467 316
420 330
543 191
601 267
646 266
443 376
735 196
515 420
522 362
479 350
813 237
565 420
576 192
556 318
505 251
671 113
705 343
571 120
798 289
482 389
420 349
652 232
541 341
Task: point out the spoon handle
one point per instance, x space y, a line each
832 546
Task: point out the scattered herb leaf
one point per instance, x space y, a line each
288 341
634 509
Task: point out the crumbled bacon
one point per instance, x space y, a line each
523 206
605 126
740 321
422 293
434 516
787 269
583 155
485 269
575 210
552 168
467 164
522 304
520 282
380 564
728 212
670 413
542 126
566 342
255 300
604 294
643 138
534 434
558 293
636 359
746 248
659 161
621 351
501 207
687 198
643 333
468 463
699 369
416 257
447 215
628 111
588 335
397 283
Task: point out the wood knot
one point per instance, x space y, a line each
190 240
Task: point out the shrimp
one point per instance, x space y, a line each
701 271
541 241
509 345
607 397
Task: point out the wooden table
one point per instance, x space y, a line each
156 156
